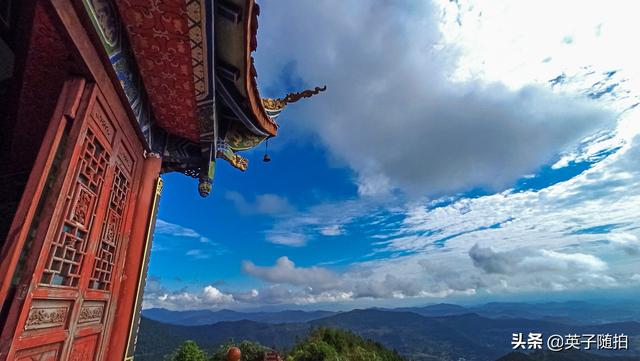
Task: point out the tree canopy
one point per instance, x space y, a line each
322 344
328 344
188 351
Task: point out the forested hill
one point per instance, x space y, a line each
419 338
335 344
156 339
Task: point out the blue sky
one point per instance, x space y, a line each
461 153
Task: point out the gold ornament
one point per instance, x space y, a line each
280 103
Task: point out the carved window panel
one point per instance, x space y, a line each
105 260
47 314
69 247
91 312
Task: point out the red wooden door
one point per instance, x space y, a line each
68 308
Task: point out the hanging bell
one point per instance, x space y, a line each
266 157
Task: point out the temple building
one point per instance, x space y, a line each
98 98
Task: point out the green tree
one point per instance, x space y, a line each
314 350
188 351
327 344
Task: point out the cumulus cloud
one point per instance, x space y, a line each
391 111
551 239
542 270
627 241
280 294
285 271
211 297
526 261
317 284
211 294
268 204
490 261
156 295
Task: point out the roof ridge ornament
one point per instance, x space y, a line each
275 104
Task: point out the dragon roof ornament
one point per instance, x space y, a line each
278 104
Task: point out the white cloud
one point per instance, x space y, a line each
279 294
168 231
528 241
213 295
208 297
287 239
627 241
533 261
529 52
563 262
290 284
391 111
532 240
269 204
176 230
285 271
333 230
197 254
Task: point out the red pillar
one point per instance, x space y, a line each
135 260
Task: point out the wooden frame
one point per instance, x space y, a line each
141 279
78 95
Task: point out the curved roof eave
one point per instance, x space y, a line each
264 122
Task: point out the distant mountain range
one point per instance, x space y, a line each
573 312
469 337
207 317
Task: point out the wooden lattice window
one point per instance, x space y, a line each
64 261
104 263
